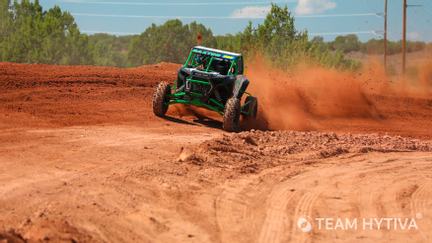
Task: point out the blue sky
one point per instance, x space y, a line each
320 17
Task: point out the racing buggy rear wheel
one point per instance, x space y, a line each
231 119
251 107
161 99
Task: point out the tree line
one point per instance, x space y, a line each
28 34
351 43
31 35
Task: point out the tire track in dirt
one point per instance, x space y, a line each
231 209
253 208
418 204
421 198
303 209
353 176
273 228
387 180
238 207
341 192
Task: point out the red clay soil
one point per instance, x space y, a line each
46 95
83 159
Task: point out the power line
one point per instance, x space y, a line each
218 17
370 32
404 30
163 17
337 15
385 32
174 3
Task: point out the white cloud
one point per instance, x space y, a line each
314 6
414 36
251 12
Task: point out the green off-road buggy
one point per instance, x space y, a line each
212 79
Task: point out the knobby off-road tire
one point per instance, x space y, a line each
231 121
254 107
161 99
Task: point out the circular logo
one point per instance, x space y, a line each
304 225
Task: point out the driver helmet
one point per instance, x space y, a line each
199 59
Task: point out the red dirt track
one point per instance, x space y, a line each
61 95
83 159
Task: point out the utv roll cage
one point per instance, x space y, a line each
235 60
212 79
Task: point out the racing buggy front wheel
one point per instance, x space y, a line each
161 99
231 119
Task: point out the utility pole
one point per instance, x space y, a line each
404 29
385 34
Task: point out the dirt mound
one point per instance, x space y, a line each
46 231
256 150
11 236
53 95
13 75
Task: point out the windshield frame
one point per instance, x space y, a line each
210 57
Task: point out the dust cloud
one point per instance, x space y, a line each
304 96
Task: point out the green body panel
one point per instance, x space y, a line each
198 81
